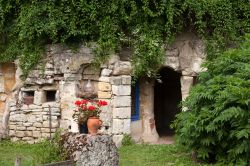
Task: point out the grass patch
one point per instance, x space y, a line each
31 154
131 155
155 155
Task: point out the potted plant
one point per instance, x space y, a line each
89 111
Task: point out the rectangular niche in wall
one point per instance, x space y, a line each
28 97
50 95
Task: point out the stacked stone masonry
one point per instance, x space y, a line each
57 81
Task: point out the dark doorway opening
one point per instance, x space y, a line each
167 98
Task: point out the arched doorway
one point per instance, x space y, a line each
167 97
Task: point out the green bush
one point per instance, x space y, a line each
217 125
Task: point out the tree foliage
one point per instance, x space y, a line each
27 26
217 126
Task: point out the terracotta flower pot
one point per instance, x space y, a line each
93 123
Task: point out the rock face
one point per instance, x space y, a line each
59 80
87 150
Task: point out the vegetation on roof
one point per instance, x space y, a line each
144 25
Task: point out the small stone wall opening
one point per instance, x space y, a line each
28 97
167 97
50 95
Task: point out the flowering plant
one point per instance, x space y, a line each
87 108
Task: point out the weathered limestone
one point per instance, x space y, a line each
122 68
186 84
88 150
122 101
121 90
147 101
123 112
54 85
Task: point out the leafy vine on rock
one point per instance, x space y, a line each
27 26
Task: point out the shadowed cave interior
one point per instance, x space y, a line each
167 97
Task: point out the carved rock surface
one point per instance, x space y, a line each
91 150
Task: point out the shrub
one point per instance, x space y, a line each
217 124
127 140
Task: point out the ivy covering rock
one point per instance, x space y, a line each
217 125
144 25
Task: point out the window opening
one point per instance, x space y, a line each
28 97
50 95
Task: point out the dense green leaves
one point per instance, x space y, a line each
27 26
217 125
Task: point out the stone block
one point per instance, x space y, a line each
121 90
104 86
27 124
122 101
118 140
37 134
12 133
36 124
47 130
28 133
54 118
24 107
53 124
122 68
122 113
39 97
19 133
51 104
39 119
18 118
117 126
106 72
22 128
45 117
31 128
33 106
116 80
126 126
104 79
104 95
126 80
31 119
12 127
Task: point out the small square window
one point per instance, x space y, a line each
50 95
28 97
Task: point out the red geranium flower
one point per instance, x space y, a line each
84 101
91 108
102 103
78 103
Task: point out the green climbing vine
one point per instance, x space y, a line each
144 25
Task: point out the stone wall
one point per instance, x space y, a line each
55 84
62 74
